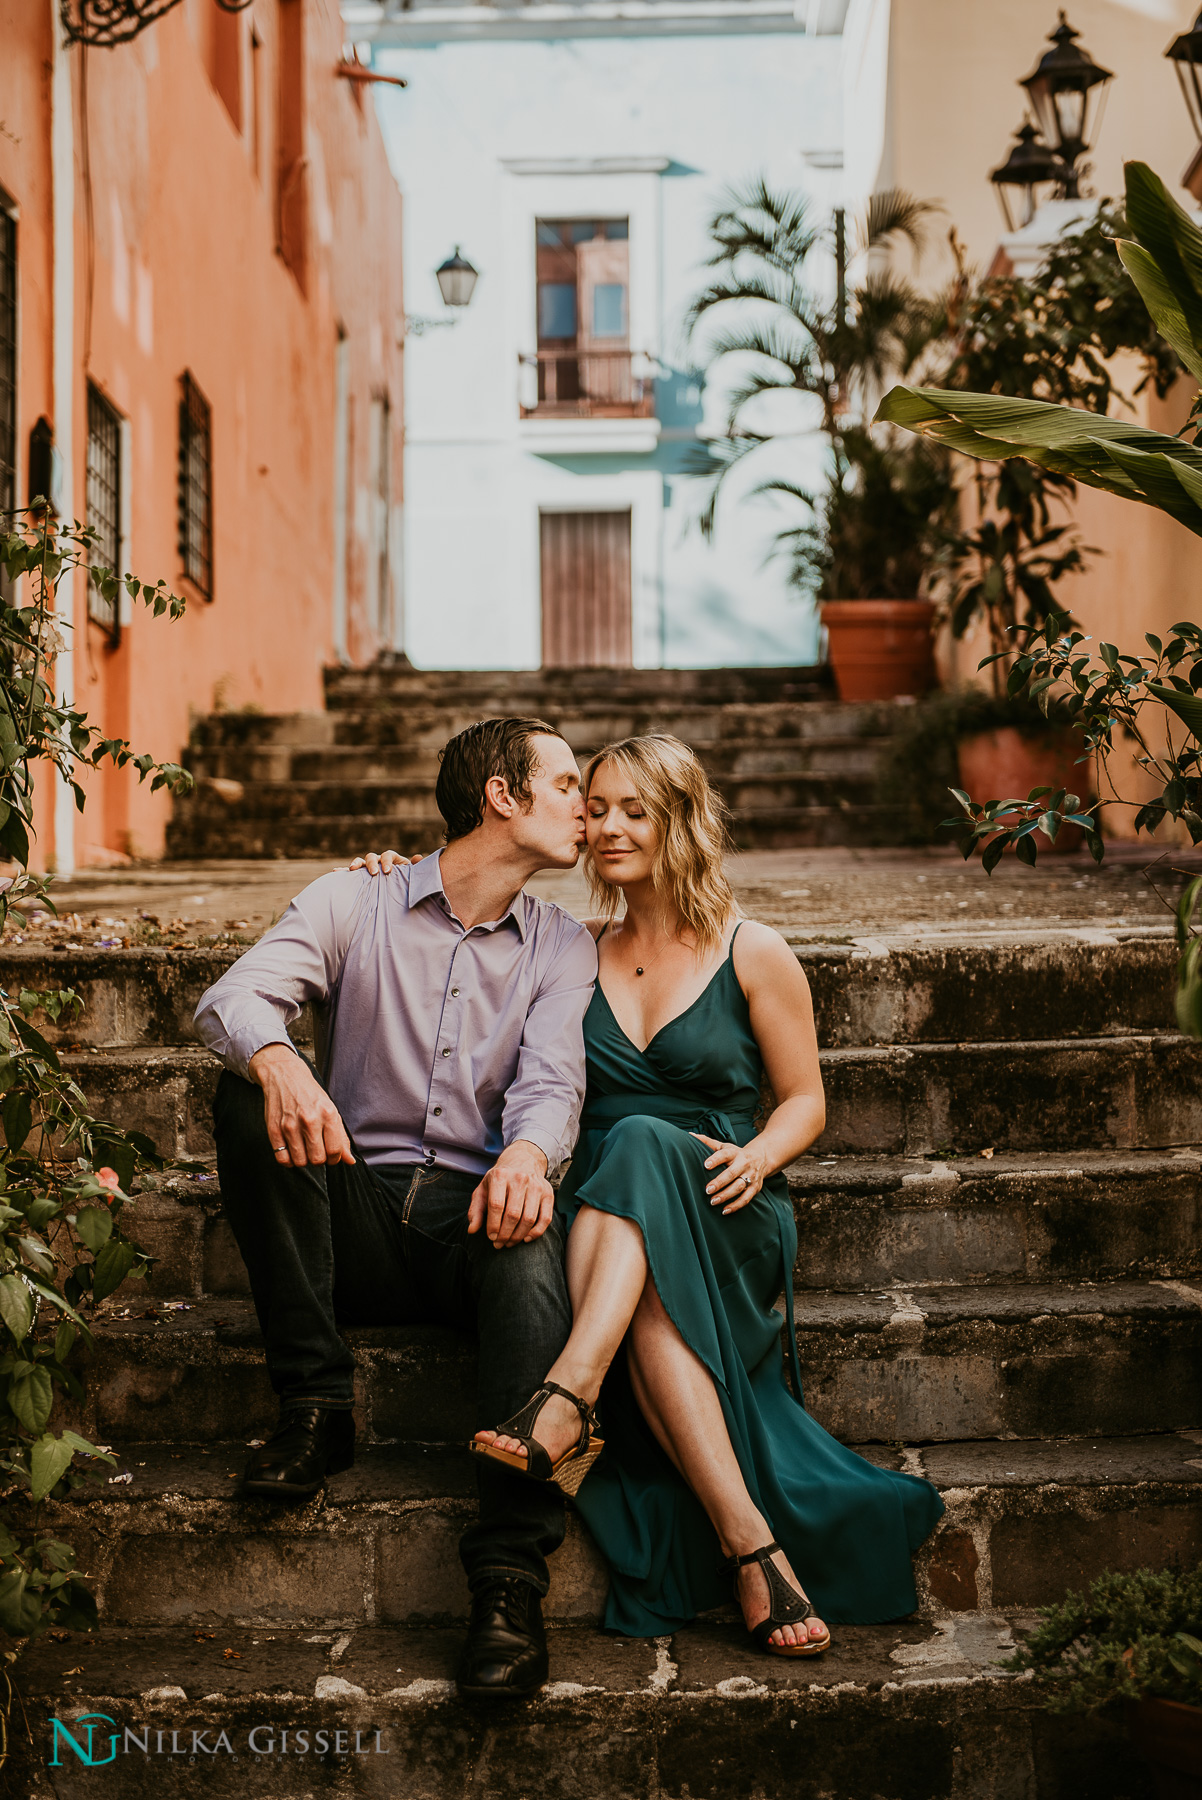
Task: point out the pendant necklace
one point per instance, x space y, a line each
641 970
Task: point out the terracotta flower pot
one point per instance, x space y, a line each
1006 764
880 649
1169 1735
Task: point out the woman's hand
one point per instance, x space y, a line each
383 862
742 1173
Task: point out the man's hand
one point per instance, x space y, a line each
383 862
514 1201
303 1125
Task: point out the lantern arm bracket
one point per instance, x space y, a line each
418 324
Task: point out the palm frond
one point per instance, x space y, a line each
894 213
778 340
753 219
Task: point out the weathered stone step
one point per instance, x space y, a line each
172 1540
583 721
916 1100
916 1711
199 830
1014 1217
866 991
728 763
910 1365
861 1223
1082 1094
513 690
939 1364
331 792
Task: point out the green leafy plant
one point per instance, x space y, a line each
1150 696
1051 338
923 762
881 525
1131 1637
64 1174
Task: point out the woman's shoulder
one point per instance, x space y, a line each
760 954
594 927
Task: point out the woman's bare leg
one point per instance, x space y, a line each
612 1296
607 1271
680 1403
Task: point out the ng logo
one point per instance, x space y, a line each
62 1734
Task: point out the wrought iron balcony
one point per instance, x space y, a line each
587 384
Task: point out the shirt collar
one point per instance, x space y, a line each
425 879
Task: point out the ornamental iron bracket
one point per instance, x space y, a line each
108 22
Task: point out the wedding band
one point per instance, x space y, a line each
280 1149
746 1180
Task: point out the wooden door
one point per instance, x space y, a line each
585 561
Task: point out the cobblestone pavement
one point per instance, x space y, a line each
828 893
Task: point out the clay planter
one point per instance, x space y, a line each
879 649
1169 1735
1006 764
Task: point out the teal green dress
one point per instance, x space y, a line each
849 1529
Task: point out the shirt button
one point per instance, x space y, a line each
454 993
438 1112
446 1050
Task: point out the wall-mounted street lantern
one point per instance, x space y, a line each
1065 89
1029 167
456 279
1185 54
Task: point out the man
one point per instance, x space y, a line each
410 1184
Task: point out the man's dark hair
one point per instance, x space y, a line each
494 747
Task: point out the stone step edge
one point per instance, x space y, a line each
905 1313
392 1522
943 1654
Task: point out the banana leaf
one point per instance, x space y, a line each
1111 454
1169 272
1188 707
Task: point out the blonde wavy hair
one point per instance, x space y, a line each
692 837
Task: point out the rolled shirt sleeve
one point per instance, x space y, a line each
542 1106
298 960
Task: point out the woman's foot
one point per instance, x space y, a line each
751 1591
557 1429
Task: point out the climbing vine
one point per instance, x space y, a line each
65 1175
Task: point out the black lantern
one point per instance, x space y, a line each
456 279
1060 88
1030 165
1185 54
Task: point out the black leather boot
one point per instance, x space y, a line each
309 1443
505 1656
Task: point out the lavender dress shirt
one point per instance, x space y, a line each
441 1045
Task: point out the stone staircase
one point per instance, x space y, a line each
795 765
999 1285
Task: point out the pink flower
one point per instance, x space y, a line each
108 1178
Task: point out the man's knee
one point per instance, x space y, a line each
239 1119
534 1267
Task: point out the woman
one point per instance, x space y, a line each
680 1240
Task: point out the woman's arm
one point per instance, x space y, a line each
782 1018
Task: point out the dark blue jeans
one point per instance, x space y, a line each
389 1245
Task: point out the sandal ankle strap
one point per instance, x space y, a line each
730 1563
582 1407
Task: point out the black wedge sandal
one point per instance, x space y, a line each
568 1470
788 1606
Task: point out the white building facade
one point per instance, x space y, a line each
575 152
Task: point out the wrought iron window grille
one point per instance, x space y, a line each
196 487
104 507
8 358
